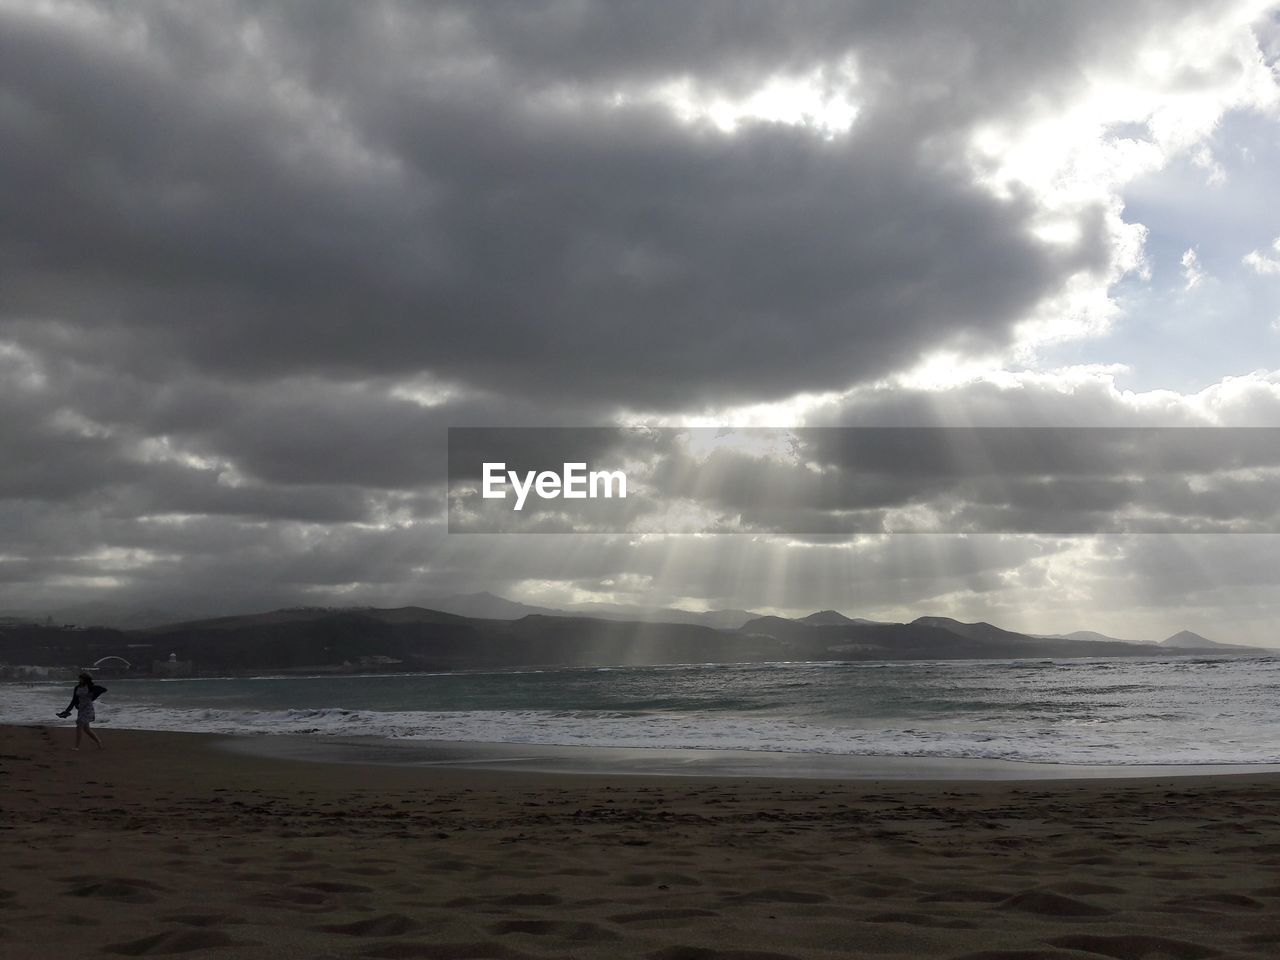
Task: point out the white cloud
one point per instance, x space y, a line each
1203 158
820 99
1193 274
1131 117
1085 395
1263 264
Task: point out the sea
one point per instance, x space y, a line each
1164 710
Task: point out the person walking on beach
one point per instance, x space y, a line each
82 698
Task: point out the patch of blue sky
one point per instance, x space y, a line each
1179 335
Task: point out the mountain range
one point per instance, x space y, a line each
482 606
421 638
490 606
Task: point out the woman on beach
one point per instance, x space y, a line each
82 698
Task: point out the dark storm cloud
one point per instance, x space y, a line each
233 233
395 189
126 464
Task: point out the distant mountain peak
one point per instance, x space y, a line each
1185 638
487 606
826 618
980 630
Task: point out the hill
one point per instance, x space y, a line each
833 618
718 619
981 631
1186 640
926 638
487 606
318 639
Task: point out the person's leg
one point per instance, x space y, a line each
78 729
88 732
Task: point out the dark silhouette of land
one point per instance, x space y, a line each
417 639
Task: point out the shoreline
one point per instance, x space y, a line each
699 763
170 843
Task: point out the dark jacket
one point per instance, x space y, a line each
95 691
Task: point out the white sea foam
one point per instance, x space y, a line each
1172 711
1048 744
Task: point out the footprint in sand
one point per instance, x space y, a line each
119 889
171 941
1085 855
508 900
889 880
706 953
480 950
261 876
1080 888
965 895
564 929
1051 905
330 886
1173 875
653 879
387 925
526 900
1136 947
778 896
921 920
645 916
588 902
448 866
1236 901
204 919
1017 955
310 901
870 891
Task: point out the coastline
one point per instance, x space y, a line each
699 763
170 843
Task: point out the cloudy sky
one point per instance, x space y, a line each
256 258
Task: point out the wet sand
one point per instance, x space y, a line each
171 844
678 762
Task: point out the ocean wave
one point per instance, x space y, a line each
1041 744
1147 712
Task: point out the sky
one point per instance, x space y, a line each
257 258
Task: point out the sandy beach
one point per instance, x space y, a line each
169 844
